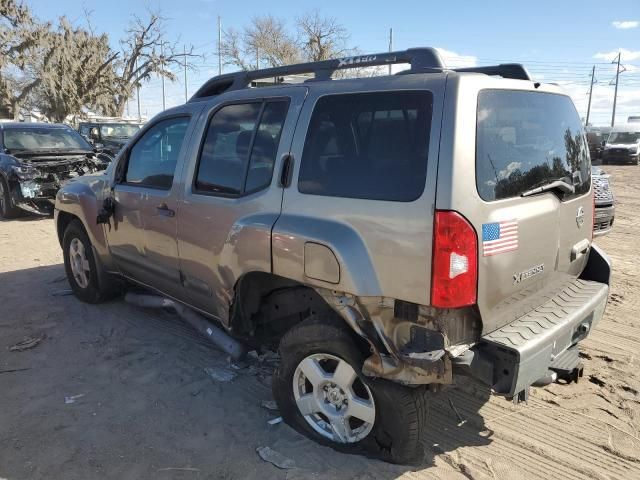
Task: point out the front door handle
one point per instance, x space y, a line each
163 209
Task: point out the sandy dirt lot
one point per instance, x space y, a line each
115 391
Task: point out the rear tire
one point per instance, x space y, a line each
81 267
7 210
374 417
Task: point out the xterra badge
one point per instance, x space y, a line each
532 272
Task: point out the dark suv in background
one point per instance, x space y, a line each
109 137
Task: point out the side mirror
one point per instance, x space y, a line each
604 142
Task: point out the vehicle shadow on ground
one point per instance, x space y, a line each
142 402
27 217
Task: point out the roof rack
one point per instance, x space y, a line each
515 71
420 59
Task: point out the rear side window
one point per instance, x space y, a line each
368 145
240 147
526 140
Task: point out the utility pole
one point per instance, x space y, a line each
593 73
138 92
219 45
184 52
390 45
615 93
162 73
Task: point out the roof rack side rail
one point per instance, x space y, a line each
420 59
515 71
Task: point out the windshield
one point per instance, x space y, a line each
624 137
119 130
44 138
526 140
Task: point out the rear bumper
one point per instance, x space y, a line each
516 356
603 220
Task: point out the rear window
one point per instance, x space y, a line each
368 145
526 140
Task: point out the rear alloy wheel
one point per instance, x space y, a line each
6 209
321 392
332 399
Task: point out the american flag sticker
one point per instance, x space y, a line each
499 237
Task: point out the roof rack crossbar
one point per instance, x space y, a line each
420 59
515 71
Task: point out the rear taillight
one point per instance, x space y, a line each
454 270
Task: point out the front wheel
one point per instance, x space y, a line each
321 392
7 210
81 267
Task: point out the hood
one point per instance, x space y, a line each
52 156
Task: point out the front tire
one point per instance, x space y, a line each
81 267
7 210
321 392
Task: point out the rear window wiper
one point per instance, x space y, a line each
559 185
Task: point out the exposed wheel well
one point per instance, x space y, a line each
266 306
64 219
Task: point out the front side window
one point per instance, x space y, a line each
368 145
153 159
526 140
240 147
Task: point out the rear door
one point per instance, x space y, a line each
232 195
531 243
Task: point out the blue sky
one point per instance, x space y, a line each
557 40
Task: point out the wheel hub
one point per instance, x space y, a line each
335 396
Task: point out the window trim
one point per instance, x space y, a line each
261 100
120 173
428 91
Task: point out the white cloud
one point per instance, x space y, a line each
627 55
457 60
626 24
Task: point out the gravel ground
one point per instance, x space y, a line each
115 391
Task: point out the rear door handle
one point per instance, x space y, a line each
163 209
579 249
287 170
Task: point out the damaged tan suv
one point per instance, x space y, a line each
384 234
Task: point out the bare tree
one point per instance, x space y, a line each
144 52
266 42
322 38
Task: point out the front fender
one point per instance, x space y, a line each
83 198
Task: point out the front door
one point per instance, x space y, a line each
142 238
231 196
